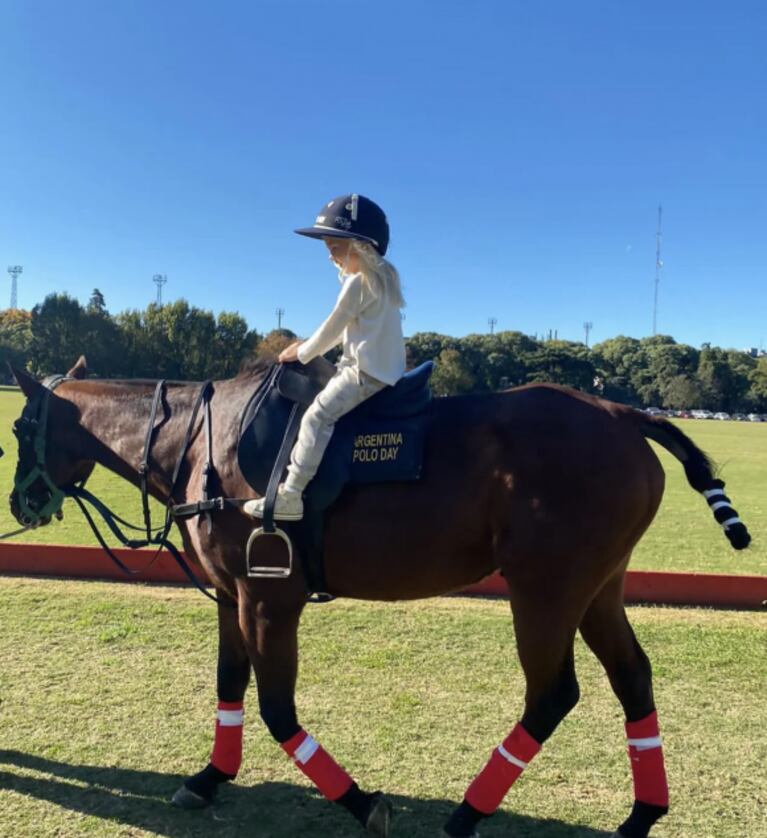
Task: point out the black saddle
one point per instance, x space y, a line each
380 440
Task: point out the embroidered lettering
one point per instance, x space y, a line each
372 448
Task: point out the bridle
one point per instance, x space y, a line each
30 430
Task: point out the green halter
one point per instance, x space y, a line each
35 429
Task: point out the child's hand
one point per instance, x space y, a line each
290 353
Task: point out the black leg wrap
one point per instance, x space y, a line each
463 822
206 783
358 802
641 820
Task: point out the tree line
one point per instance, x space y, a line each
179 341
655 371
174 341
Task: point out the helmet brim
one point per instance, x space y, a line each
332 233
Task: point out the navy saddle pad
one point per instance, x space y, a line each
381 440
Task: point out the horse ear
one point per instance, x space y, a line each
29 386
80 369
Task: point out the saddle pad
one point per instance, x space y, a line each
381 440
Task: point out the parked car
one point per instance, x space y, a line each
683 414
754 417
739 417
702 414
653 411
721 416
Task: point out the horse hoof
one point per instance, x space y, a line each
186 799
379 819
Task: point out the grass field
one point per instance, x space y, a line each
107 696
683 537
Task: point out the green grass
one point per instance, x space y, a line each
107 696
683 537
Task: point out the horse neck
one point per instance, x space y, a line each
115 418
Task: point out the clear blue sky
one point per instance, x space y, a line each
520 150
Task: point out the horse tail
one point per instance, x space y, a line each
700 474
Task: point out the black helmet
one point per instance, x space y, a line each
351 217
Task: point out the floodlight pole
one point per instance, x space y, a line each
15 271
159 280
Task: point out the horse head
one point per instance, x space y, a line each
48 462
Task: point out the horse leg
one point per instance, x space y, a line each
545 632
233 676
271 636
606 629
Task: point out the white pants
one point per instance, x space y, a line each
346 389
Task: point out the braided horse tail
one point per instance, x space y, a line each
700 474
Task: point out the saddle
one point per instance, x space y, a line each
380 440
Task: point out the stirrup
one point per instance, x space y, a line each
269 571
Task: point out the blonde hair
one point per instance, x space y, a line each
379 274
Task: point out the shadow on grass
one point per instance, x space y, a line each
271 810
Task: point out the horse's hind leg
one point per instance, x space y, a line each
545 628
606 629
233 676
271 636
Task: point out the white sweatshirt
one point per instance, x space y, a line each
369 327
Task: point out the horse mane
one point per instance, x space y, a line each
253 366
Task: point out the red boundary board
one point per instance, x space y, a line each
708 589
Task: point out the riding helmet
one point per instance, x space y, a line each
351 217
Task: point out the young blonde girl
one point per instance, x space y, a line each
365 320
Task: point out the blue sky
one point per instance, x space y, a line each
520 151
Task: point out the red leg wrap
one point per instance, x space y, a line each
646 755
314 761
505 765
227 748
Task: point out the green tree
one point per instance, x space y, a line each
660 360
233 343
716 379
102 342
57 334
562 362
682 392
758 379
451 375
15 341
427 346
96 303
616 361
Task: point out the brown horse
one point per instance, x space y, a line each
552 487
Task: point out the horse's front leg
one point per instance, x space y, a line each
233 675
271 636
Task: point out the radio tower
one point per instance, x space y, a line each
587 327
14 271
658 266
492 322
159 280
280 312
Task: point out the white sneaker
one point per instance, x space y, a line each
288 506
